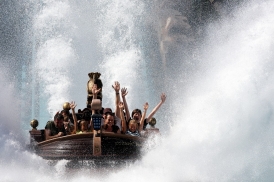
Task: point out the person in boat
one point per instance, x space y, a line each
117 120
109 124
137 113
68 126
80 126
117 117
132 127
67 121
54 129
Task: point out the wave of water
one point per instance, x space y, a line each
222 123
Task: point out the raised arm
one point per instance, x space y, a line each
95 92
116 88
163 98
124 126
124 93
143 117
73 106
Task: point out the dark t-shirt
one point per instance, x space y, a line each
53 130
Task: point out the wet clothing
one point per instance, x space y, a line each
136 133
53 130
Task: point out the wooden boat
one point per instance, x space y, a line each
90 145
83 146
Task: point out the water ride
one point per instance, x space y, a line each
93 145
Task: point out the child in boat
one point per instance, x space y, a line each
136 113
83 123
132 129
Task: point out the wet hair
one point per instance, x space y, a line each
136 111
58 117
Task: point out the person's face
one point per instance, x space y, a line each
137 116
105 115
59 123
109 120
132 127
84 127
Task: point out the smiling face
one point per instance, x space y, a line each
132 127
136 114
109 120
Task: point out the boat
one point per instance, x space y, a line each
85 146
96 145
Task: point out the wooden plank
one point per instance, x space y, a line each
97 151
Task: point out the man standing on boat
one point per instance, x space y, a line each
54 129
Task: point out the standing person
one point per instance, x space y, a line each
54 129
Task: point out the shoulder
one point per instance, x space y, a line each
49 124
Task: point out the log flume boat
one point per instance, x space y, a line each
86 146
96 145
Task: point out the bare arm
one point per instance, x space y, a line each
95 92
48 136
116 87
73 106
124 93
124 126
143 117
163 98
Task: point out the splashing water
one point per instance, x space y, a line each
222 123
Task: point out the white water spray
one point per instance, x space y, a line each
222 128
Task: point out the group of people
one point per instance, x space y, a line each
119 121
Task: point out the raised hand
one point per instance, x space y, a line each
124 92
72 105
163 97
146 106
116 86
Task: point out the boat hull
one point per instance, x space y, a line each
80 147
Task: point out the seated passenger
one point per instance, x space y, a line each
109 125
68 126
80 126
117 120
133 129
136 113
83 127
54 129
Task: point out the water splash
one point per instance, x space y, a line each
222 126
